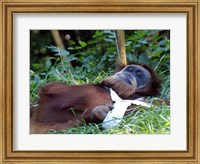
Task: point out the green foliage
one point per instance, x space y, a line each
39 39
151 47
97 54
58 52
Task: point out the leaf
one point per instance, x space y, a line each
143 41
52 48
128 43
43 74
64 52
83 44
59 51
137 45
32 84
108 32
97 34
37 78
162 42
144 58
109 40
70 48
36 65
111 36
68 59
132 57
48 63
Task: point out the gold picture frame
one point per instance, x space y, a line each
189 7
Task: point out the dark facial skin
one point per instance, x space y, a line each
135 74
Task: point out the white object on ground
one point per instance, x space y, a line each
120 106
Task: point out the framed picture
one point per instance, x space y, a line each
22 24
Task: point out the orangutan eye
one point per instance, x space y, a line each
130 69
139 73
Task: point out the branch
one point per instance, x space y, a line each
58 41
120 44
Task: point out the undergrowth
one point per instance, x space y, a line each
155 120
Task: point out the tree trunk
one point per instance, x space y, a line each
121 51
58 41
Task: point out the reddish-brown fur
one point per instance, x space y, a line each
62 106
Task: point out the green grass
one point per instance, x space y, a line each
140 120
155 120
